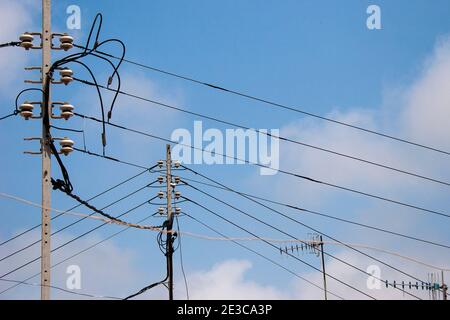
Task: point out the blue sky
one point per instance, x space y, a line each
315 55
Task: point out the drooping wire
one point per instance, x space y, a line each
72 240
78 253
76 206
75 222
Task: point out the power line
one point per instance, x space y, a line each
78 205
323 215
68 242
429 242
165 105
293 220
83 294
289 235
10 44
275 247
260 255
108 157
289 173
279 105
72 223
78 253
8 115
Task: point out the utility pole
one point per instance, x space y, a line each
443 286
46 152
169 249
323 269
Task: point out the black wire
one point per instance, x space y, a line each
10 44
61 289
260 255
308 227
366 194
323 215
107 157
68 242
289 235
340 154
73 223
101 103
283 106
78 253
23 91
276 248
66 129
78 205
66 184
302 210
14 113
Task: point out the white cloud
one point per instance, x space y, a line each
16 19
227 280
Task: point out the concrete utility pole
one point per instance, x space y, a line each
323 269
46 152
169 250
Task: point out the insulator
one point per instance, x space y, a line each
66 76
26 40
177 180
66 146
161 210
173 185
66 42
177 194
26 110
160 179
160 194
66 110
177 210
176 164
160 163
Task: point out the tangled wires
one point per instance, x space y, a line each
88 50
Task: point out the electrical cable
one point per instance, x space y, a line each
10 44
72 223
308 227
70 241
277 249
340 154
66 129
280 105
79 205
285 172
14 113
77 253
61 289
261 255
303 210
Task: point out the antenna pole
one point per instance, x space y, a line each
323 269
